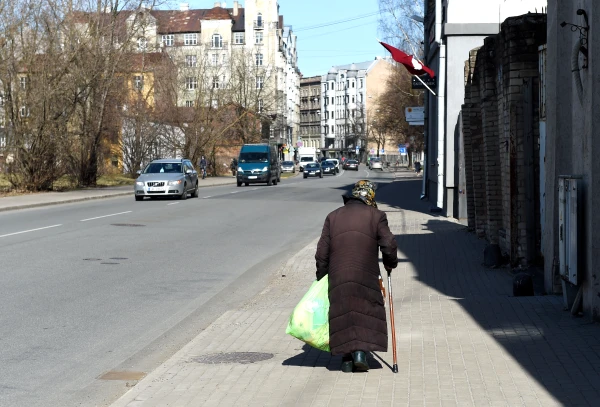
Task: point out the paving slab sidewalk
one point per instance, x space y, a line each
463 340
33 200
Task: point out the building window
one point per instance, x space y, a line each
259 20
1 99
259 59
215 59
332 130
259 38
168 40
360 97
352 99
260 105
224 59
189 103
360 83
214 103
215 82
138 82
142 44
24 111
238 38
190 60
191 83
352 83
190 39
259 82
332 114
23 82
217 41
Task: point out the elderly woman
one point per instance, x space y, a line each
348 251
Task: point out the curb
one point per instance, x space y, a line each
87 198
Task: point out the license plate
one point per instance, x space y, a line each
155 189
252 177
312 172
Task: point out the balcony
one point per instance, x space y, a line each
222 45
259 24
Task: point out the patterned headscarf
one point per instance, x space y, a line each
365 191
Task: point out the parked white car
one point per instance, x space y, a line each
376 163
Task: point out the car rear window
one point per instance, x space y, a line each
287 163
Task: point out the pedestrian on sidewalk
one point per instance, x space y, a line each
348 251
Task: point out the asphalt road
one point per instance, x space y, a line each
91 290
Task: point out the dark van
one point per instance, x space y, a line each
258 163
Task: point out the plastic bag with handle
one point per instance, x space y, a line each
309 321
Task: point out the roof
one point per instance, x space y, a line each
217 13
176 21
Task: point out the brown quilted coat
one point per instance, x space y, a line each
348 252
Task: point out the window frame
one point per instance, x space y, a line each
190 39
191 83
168 40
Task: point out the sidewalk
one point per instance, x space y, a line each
8 203
463 340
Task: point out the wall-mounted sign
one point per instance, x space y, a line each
429 81
414 114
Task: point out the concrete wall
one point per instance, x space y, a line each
573 141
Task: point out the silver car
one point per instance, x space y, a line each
288 166
376 163
167 177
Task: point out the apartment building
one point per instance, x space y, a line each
310 112
207 44
348 97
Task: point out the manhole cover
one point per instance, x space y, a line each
92 259
108 262
131 225
233 357
118 258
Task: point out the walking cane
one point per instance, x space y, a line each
395 367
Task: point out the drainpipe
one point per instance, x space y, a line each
441 95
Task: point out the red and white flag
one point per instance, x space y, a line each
411 63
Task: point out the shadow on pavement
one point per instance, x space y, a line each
560 352
311 357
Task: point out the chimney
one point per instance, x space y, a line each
217 4
235 8
184 6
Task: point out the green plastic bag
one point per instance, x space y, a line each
309 321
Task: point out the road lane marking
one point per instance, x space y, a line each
173 203
234 192
206 197
105 216
30 230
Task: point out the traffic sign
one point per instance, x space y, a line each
402 150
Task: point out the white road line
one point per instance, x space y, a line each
30 230
105 216
206 197
234 192
173 203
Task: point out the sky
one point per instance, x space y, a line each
320 48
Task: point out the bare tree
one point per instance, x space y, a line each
398 22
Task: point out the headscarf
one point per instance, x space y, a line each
365 191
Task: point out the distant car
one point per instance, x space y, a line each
351 165
376 163
288 166
312 170
328 168
335 162
167 177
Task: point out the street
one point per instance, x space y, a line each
91 289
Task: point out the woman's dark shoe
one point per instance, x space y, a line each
360 361
347 364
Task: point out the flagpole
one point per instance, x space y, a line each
424 84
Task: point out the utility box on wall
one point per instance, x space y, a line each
569 227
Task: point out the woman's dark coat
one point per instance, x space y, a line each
348 252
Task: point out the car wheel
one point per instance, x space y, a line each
239 184
305 176
196 192
269 182
247 184
183 196
139 198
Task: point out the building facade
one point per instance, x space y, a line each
208 45
452 29
348 97
310 112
